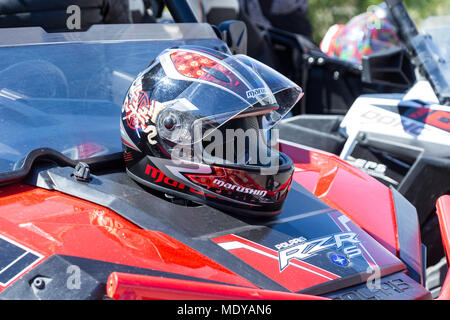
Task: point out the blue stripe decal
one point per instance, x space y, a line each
14 259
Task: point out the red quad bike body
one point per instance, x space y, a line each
341 235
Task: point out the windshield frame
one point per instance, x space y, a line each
426 54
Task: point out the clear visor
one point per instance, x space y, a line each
219 91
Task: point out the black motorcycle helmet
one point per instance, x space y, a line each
197 124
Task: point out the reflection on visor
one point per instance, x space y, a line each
194 65
286 92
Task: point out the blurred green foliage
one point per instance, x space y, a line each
325 13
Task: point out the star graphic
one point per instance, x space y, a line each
339 260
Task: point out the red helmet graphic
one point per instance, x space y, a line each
197 124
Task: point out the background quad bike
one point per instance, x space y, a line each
420 167
331 85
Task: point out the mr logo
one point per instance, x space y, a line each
309 248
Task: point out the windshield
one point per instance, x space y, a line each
429 48
65 91
438 30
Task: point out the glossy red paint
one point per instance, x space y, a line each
50 222
123 286
443 212
360 197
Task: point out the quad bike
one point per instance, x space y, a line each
403 140
74 225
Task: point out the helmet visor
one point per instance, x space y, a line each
219 89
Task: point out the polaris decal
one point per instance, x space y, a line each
290 243
14 260
298 256
300 275
309 248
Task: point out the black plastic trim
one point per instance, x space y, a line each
408 233
397 286
57 274
48 154
133 203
